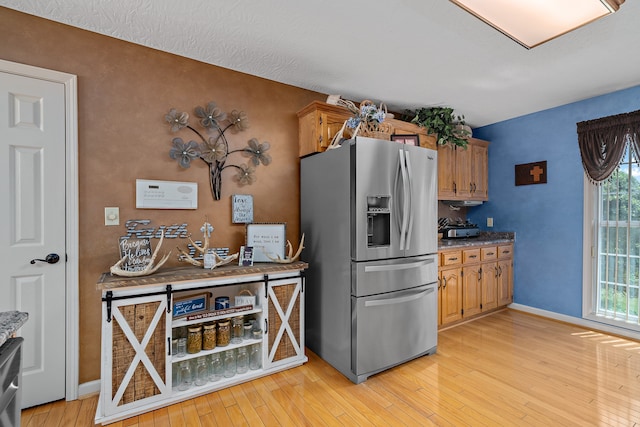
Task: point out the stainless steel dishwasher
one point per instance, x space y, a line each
10 374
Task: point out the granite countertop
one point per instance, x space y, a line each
485 238
10 322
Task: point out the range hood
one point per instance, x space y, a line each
464 203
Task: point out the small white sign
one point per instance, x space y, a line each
166 194
268 241
242 207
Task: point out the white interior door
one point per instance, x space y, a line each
32 226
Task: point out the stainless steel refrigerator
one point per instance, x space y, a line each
369 213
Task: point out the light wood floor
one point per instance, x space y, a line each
507 369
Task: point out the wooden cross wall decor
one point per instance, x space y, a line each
531 173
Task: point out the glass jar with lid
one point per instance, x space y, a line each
237 329
194 339
209 336
224 333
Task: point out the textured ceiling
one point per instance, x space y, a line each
407 53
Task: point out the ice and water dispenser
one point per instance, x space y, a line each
378 221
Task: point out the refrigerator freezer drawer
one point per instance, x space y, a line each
377 277
392 328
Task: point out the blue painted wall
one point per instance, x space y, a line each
547 218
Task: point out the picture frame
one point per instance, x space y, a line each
190 304
246 256
266 239
242 208
407 139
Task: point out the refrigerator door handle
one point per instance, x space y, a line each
396 267
409 197
398 300
405 200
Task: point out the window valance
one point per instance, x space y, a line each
603 143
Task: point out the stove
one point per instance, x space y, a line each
457 229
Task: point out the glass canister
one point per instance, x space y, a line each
209 336
202 371
256 331
237 329
175 376
216 367
184 375
229 360
224 333
182 347
194 339
242 360
248 326
255 357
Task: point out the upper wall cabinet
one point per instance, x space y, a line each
463 173
319 122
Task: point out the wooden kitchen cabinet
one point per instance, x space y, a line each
463 172
450 288
505 275
471 290
489 255
139 369
318 123
478 280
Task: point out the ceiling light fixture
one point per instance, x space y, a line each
531 23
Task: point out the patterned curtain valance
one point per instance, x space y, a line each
603 143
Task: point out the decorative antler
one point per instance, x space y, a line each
206 229
149 269
290 257
223 260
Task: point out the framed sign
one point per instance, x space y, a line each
531 173
242 208
407 139
191 304
137 252
268 241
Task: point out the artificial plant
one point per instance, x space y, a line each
450 128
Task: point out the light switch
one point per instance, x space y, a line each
111 216
489 222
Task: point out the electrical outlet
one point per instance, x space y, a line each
111 216
489 222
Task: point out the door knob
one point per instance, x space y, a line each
50 259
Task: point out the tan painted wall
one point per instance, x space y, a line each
124 91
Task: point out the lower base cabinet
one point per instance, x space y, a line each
166 342
473 281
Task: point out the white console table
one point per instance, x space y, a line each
138 326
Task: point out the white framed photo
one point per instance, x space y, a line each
268 241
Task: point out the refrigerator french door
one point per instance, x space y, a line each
394 313
394 213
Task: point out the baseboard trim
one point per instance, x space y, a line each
87 389
585 323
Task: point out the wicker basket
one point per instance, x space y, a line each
374 129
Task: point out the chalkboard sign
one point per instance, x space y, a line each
242 208
266 239
136 251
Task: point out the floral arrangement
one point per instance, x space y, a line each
214 150
368 113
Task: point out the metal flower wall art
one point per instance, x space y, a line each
213 148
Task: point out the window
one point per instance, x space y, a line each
610 150
615 284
